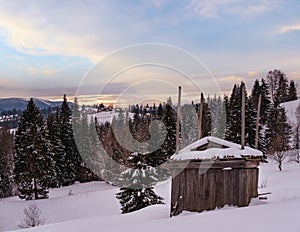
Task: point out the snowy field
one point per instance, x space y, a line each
93 207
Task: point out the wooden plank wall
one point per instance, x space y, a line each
212 189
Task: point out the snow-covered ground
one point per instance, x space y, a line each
93 207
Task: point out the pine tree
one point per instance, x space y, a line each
281 93
34 167
72 157
189 125
169 120
233 129
292 91
138 182
160 111
251 114
95 158
57 148
256 91
6 163
85 148
218 117
265 101
206 120
250 125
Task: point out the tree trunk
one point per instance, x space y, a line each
280 165
36 196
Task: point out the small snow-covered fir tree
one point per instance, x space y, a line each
138 182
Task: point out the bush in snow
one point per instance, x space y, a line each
33 217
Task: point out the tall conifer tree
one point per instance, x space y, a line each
34 167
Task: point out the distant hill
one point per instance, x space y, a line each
20 103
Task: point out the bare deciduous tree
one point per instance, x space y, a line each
277 153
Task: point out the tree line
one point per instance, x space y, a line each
44 151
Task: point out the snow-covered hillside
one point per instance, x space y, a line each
290 108
103 117
93 207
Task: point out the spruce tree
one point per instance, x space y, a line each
256 91
34 165
160 111
206 120
57 148
218 116
95 157
137 185
292 91
6 163
189 125
233 129
169 120
72 157
265 101
281 93
85 148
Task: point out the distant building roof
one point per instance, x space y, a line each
212 147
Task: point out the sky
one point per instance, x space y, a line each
47 48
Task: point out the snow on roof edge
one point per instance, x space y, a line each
233 150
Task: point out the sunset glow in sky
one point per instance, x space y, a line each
47 47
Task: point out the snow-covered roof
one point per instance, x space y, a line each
213 147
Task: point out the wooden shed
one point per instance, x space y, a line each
213 173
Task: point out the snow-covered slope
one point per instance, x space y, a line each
103 117
93 208
290 108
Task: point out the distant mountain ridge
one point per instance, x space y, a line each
21 103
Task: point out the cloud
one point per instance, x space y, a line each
43 72
294 75
208 8
288 28
212 8
252 74
158 3
87 29
232 78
